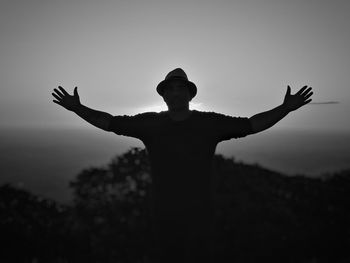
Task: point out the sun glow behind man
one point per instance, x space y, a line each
162 107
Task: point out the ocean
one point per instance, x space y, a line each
44 161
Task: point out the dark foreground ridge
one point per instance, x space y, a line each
260 216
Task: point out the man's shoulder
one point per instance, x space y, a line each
150 115
213 114
217 118
208 114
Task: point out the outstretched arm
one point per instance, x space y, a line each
265 120
72 103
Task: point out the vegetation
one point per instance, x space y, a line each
260 215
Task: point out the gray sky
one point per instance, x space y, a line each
241 55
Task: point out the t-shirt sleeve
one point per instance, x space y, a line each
136 126
228 127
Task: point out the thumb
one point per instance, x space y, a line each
288 91
76 92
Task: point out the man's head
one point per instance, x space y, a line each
177 95
176 90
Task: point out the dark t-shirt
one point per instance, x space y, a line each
180 154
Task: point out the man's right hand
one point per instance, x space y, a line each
65 100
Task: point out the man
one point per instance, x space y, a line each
181 144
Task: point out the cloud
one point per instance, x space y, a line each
325 102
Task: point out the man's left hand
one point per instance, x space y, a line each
293 102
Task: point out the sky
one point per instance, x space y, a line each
240 54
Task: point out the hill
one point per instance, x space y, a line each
260 215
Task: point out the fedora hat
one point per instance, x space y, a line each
177 74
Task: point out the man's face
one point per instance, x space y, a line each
176 95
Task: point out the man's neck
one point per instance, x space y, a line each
179 115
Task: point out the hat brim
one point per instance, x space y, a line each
190 85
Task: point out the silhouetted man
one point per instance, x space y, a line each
181 144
